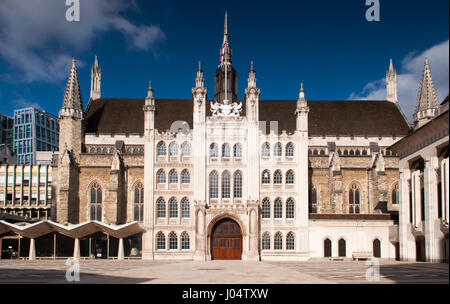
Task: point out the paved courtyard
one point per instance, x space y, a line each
225 272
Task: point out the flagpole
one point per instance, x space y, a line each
226 88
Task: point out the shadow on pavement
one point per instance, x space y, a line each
412 273
35 276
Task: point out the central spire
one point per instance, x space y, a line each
225 51
225 88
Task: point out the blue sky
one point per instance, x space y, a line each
327 44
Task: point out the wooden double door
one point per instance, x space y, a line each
226 241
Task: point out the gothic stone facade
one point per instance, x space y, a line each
251 179
319 183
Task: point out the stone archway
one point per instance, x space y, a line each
226 240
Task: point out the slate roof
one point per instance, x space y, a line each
326 117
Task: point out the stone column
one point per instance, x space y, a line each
433 235
121 251
406 239
149 162
302 183
444 189
416 197
200 236
76 249
32 254
253 233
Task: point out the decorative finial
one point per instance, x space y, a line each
251 65
199 65
150 90
225 31
301 93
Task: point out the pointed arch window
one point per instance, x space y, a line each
395 194
342 247
266 241
265 212
278 150
290 241
354 203
237 150
327 249
290 208
237 189
173 241
226 150
173 176
278 241
161 149
173 208
290 177
185 176
265 178
376 248
278 209
290 149
96 202
161 207
213 150
225 184
265 149
161 176
213 185
139 203
185 149
173 149
160 241
278 177
185 241
185 208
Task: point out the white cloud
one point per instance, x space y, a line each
409 75
24 103
37 40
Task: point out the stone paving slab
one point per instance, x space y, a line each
223 272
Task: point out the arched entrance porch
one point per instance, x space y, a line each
226 240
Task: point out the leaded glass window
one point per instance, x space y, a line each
265 208
226 184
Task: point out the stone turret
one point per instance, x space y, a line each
71 139
96 77
426 99
252 96
391 84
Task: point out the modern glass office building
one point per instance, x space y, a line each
34 130
6 130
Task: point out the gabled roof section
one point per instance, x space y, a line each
339 117
126 115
